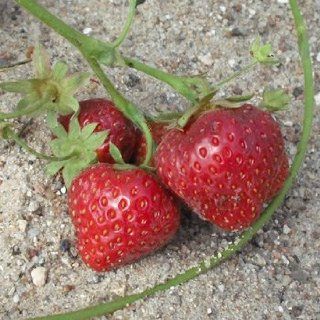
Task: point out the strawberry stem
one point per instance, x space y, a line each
37 10
208 264
9 134
20 112
127 26
189 87
235 75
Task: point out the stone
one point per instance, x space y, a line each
39 276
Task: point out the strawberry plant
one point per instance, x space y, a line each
223 156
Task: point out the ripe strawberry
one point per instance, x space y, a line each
121 130
158 130
120 216
225 164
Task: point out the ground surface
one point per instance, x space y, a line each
277 276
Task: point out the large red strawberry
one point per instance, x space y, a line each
120 216
225 164
122 132
158 130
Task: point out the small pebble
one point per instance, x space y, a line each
16 298
221 287
39 276
318 57
22 225
87 30
63 190
286 229
206 59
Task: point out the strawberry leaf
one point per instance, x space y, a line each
275 100
54 167
41 63
59 70
51 86
76 148
116 154
262 53
3 126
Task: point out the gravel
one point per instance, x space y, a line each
275 277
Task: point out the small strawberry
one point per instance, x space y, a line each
121 131
225 164
158 130
120 216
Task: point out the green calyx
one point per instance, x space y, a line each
275 100
50 90
262 53
3 129
77 148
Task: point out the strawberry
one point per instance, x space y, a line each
225 164
158 130
120 216
122 132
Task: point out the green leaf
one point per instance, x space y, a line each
88 130
228 104
262 53
23 103
77 147
97 139
22 86
72 83
41 63
116 154
242 98
74 128
53 167
3 126
165 117
59 71
275 100
56 128
52 87
70 171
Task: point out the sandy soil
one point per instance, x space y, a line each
275 277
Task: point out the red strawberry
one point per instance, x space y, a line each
120 216
158 130
225 164
121 130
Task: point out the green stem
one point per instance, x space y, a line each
11 135
184 119
20 112
37 10
176 82
127 26
235 75
206 265
189 87
125 106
